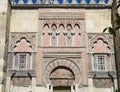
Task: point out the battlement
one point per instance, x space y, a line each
73 3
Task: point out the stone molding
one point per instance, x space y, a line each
24 73
96 74
62 54
61 15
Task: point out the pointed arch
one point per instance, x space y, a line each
61 25
69 27
22 43
53 26
100 44
77 25
45 25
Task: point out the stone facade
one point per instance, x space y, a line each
56 47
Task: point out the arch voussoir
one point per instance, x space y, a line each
65 63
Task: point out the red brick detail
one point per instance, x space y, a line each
84 67
25 36
39 67
23 46
61 50
101 47
23 43
61 30
46 37
61 36
101 44
55 64
77 37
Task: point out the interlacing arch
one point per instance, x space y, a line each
62 63
61 33
20 38
99 37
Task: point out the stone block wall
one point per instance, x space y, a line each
5 10
97 20
31 20
24 21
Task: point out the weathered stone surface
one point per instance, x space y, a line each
59 41
24 21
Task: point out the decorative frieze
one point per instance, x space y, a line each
21 73
21 81
60 2
102 82
104 74
65 33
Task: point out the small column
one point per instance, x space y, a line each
72 89
47 87
112 89
92 60
33 84
8 84
51 88
76 87
115 84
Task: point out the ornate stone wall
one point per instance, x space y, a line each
61 2
59 45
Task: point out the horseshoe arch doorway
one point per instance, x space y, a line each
62 78
62 75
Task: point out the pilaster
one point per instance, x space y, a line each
8 84
33 84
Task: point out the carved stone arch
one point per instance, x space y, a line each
61 25
69 27
106 41
46 28
54 27
62 63
102 36
77 25
22 36
45 25
62 76
61 28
